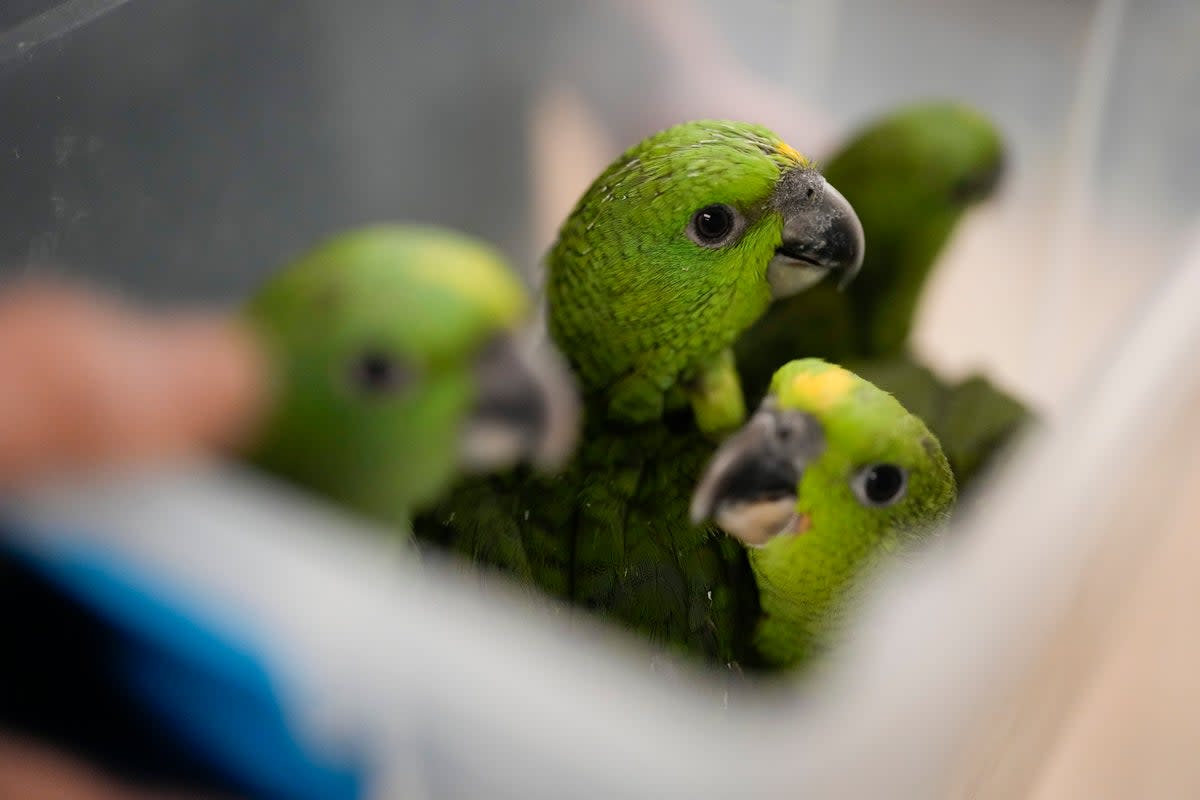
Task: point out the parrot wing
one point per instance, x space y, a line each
611 534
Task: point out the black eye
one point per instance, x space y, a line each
712 225
880 484
376 372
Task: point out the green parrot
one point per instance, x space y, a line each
674 250
397 365
911 176
831 475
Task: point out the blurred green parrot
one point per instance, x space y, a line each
397 367
673 251
911 176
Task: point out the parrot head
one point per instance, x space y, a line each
911 175
398 365
830 473
682 242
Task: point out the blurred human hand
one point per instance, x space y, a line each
31 772
90 382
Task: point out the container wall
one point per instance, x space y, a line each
181 149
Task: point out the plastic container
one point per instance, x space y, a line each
179 151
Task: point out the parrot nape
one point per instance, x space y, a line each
829 476
397 366
675 249
911 177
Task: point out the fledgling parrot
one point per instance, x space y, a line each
674 250
911 176
831 475
397 366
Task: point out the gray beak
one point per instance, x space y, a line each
821 235
526 408
750 487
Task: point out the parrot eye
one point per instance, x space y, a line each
713 226
373 372
880 485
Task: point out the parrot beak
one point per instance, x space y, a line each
982 183
750 487
526 408
821 235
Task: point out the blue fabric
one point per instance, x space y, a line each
198 677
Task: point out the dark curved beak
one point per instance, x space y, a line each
750 487
526 408
822 234
983 183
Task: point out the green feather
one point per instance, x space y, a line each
611 534
972 418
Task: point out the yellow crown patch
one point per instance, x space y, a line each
823 390
791 153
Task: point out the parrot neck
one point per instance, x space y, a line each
803 587
888 289
641 338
